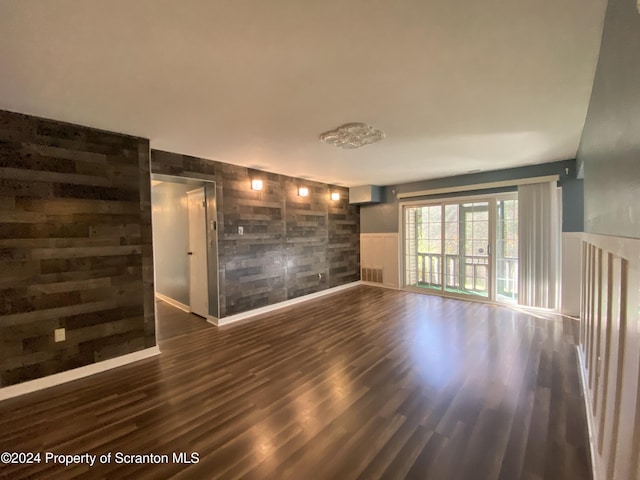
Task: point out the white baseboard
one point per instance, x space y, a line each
75 374
287 303
590 420
381 285
175 303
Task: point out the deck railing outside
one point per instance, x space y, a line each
473 277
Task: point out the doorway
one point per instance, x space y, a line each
188 282
464 247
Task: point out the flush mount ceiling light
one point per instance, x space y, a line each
352 135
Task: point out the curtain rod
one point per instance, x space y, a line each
481 186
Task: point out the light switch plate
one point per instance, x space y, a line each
59 335
240 230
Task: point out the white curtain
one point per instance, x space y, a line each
538 245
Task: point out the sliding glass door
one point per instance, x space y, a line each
467 242
507 249
424 247
448 247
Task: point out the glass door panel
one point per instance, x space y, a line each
450 245
452 248
423 247
507 250
467 246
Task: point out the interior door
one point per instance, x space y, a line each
198 278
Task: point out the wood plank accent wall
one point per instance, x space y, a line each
75 246
291 246
610 352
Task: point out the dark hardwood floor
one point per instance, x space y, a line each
368 383
173 322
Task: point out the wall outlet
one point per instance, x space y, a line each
240 230
59 334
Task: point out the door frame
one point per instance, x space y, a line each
198 192
211 193
491 199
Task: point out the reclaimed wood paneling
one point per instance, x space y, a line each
290 246
75 246
344 233
306 238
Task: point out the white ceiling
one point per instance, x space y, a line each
456 85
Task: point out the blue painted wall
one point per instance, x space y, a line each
610 146
383 217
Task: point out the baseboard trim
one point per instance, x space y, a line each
277 306
540 312
175 303
381 285
75 374
587 406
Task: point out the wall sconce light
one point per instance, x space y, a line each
335 196
256 184
303 191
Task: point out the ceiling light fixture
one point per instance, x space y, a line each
303 191
352 135
335 196
256 184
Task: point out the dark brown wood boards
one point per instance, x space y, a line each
291 245
75 246
75 242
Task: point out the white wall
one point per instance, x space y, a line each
171 240
571 273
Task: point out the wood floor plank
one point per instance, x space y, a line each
365 384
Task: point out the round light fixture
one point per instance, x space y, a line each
352 135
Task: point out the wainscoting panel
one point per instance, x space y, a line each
380 259
610 352
571 273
